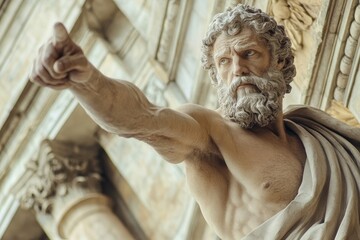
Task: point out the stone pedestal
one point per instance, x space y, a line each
66 186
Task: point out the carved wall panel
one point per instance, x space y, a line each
302 21
297 16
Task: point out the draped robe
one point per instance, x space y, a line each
327 205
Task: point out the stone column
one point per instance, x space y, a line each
66 184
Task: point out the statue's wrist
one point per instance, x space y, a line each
93 84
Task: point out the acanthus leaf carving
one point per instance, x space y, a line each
61 169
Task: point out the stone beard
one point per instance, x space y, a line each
252 106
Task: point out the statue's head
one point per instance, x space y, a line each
232 21
250 61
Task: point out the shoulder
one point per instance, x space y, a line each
216 126
192 108
211 120
200 113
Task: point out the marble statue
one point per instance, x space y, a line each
256 172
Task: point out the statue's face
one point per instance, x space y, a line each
241 55
250 87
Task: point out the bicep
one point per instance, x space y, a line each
175 134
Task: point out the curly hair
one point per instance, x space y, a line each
232 21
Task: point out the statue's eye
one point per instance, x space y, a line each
249 53
224 61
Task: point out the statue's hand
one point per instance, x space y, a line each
60 62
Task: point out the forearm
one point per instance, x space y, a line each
117 106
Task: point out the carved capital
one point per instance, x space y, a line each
61 171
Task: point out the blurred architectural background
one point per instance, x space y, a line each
62 176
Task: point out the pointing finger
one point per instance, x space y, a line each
61 36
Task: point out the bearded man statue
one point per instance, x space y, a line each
255 172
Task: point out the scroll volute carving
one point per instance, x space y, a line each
297 16
62 169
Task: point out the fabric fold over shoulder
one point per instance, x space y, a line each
327 205
321 117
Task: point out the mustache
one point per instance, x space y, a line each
259 82
267 85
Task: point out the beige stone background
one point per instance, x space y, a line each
156 45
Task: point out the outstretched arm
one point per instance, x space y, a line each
117 106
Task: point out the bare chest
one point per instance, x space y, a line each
265 167
270 176
236 198
254 183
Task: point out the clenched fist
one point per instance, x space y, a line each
61 63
